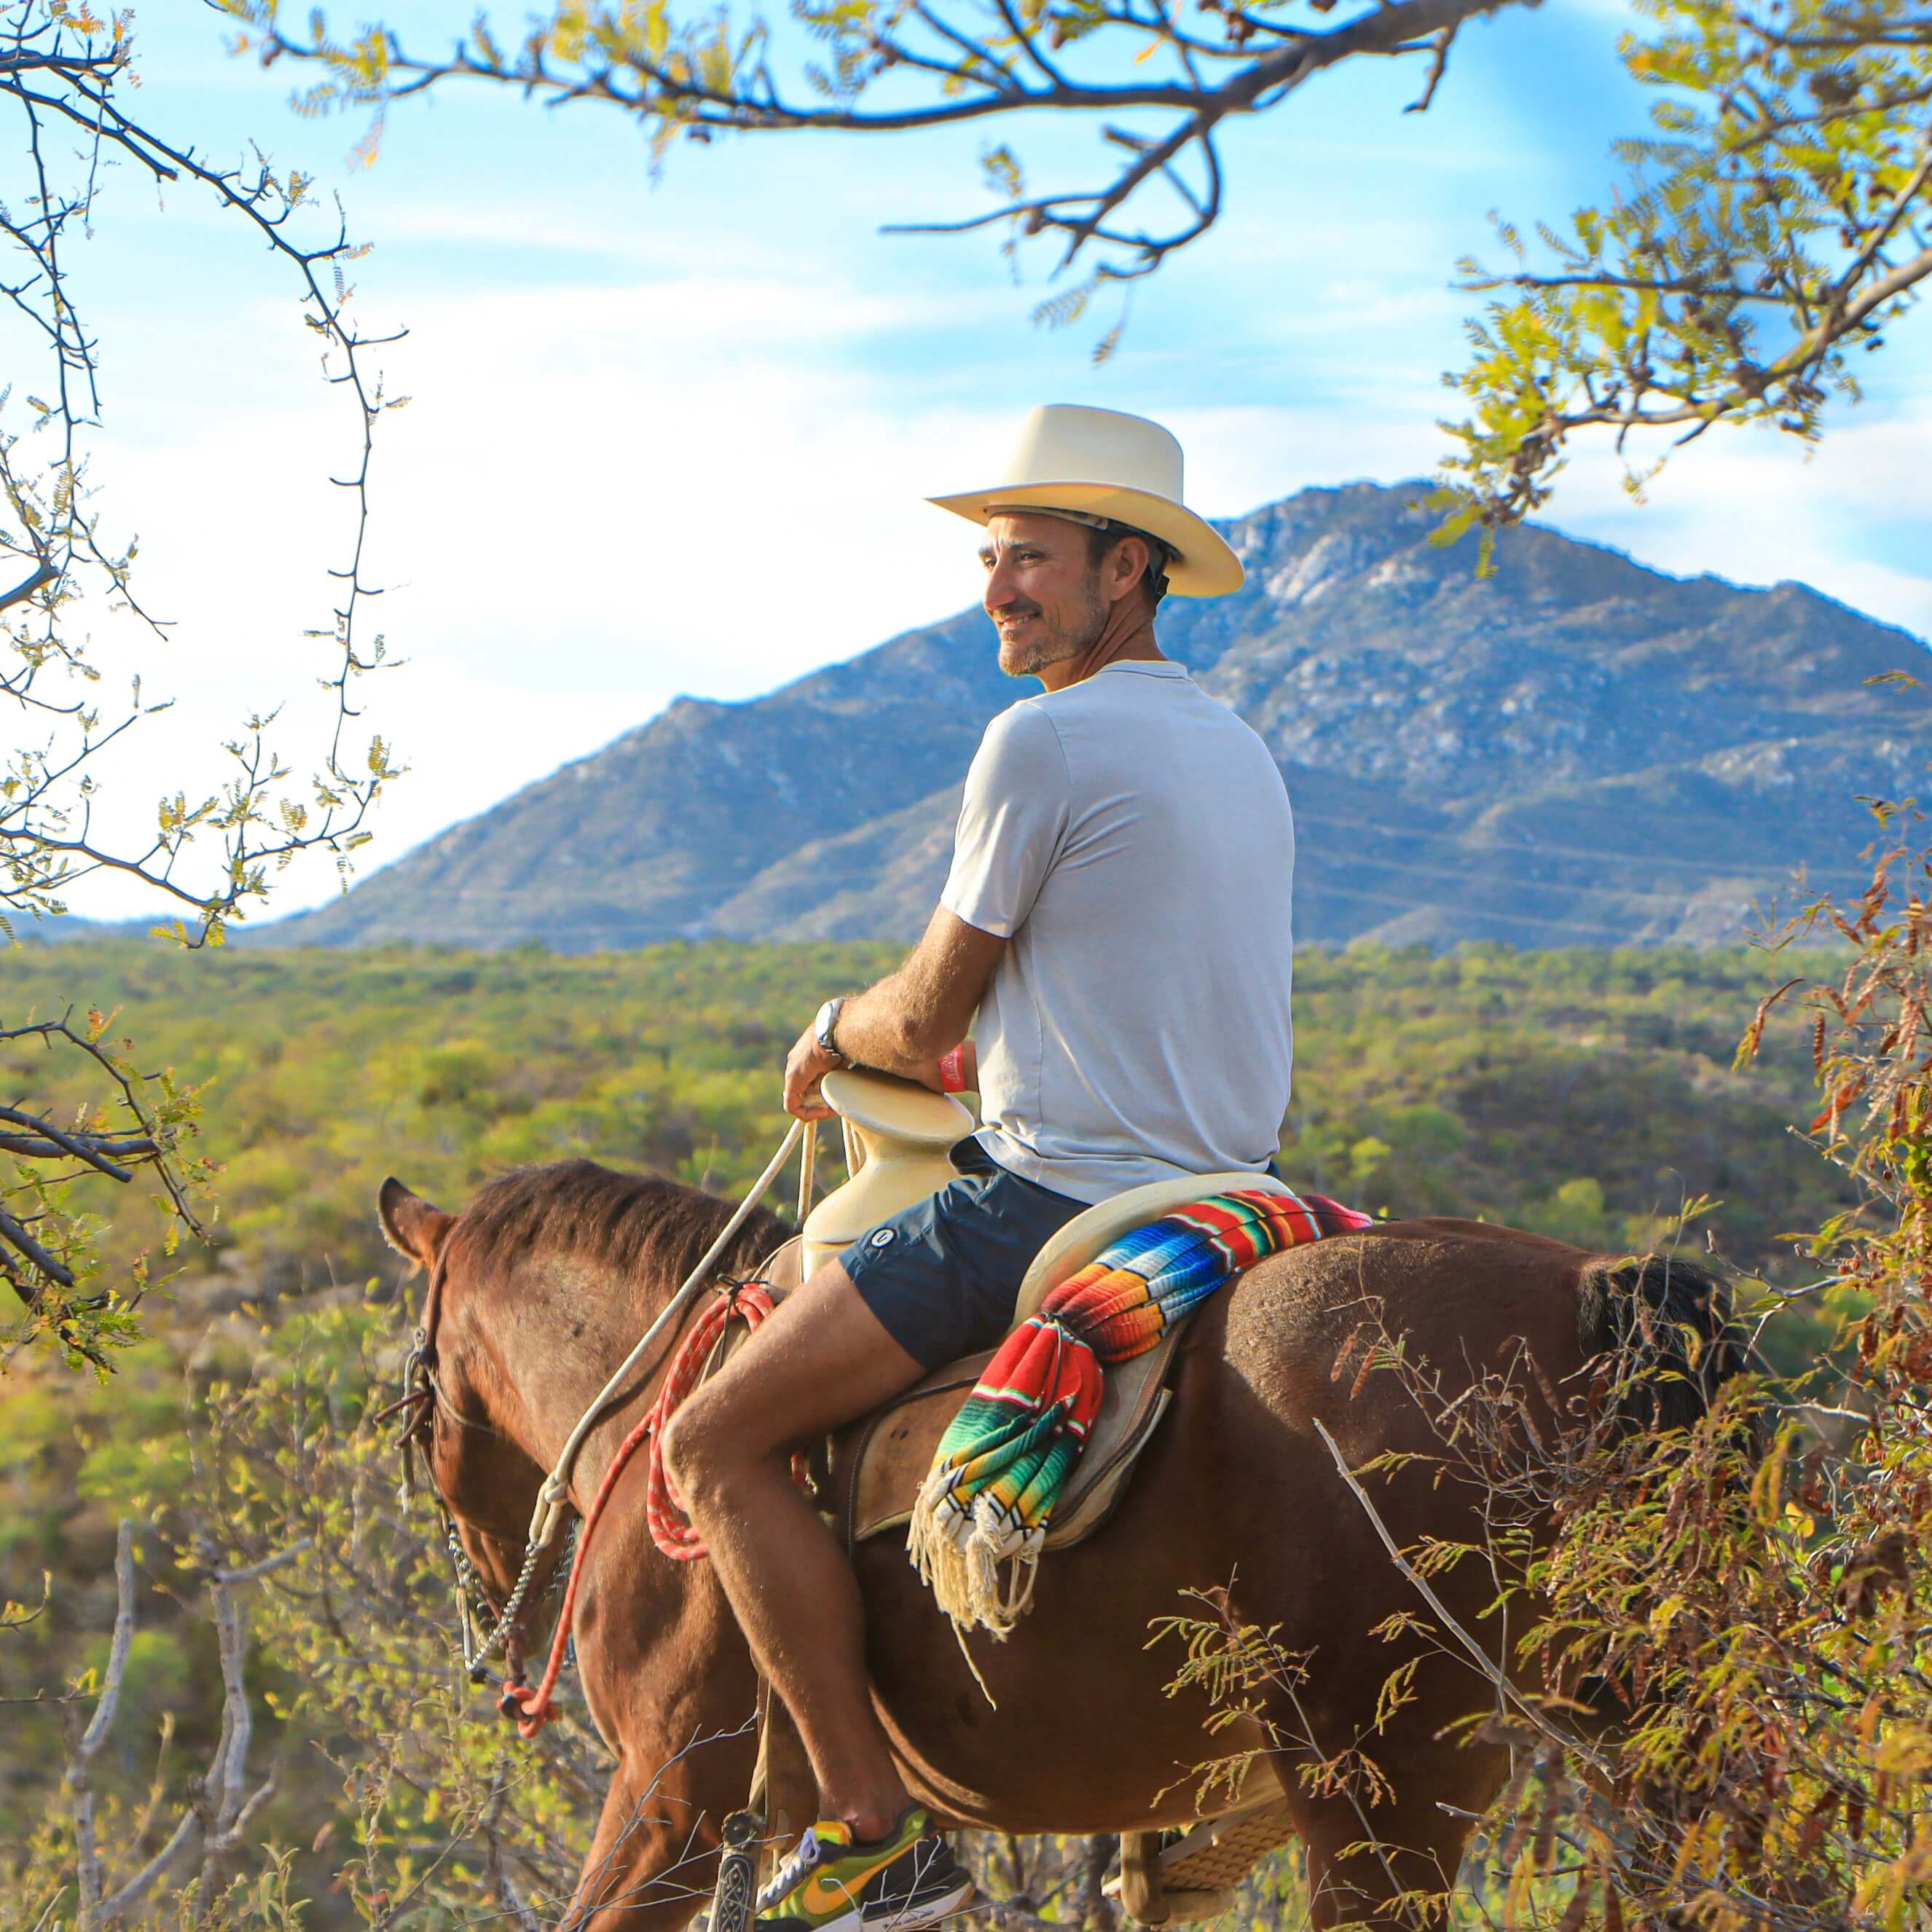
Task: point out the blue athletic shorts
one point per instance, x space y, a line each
942 1274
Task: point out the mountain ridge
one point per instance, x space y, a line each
1578 749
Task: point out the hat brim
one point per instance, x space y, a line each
1203 565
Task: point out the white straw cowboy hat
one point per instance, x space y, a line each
1100 463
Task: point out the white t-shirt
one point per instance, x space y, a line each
1132 837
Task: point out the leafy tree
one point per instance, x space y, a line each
66 75
1773 226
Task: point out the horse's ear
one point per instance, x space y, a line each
412 1226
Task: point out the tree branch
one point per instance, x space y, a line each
14 1233
1484 1663
92 1148
47 573
668 88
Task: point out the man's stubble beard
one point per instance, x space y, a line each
1060 644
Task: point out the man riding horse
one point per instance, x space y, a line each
1118 917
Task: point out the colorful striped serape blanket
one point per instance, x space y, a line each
1004 1462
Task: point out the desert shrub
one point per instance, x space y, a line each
1720 1632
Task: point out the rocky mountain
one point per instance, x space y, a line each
1577 750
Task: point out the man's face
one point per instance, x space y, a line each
1043 592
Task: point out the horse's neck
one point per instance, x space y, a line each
558 1335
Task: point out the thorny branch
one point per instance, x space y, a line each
1718 1710
63 73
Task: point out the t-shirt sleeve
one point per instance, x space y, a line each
1011 822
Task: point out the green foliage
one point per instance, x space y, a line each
1583 1094
1594 1085
1483 1082
1721 1634
116 1121
1775 226
430 1786
397 1787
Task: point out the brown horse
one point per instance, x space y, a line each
538 1291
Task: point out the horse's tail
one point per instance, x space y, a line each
1667 1324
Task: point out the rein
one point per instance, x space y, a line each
554 1497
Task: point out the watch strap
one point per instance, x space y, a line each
826 1026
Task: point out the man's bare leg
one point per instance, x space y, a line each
823 1359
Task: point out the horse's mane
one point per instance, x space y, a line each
638 1225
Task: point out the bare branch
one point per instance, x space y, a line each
268 1565
48 573
1477 1655
87 1748
14 1233
1438 65
92 1148
117 1906
116 1671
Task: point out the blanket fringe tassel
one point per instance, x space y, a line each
961 1561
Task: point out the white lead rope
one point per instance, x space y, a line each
807 1163
555 1494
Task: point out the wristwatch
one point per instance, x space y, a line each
821 1030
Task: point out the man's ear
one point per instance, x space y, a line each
415 1227
1129 551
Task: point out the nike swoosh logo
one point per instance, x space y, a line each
843 1890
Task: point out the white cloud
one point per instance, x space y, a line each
587 511
1241 457
592 507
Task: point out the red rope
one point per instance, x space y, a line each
671 1527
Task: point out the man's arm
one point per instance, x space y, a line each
909 1020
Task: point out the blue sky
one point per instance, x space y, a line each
672 437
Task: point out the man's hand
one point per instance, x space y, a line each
807 1064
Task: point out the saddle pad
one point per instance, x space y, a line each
878 1465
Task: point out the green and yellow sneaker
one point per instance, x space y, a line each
834 1882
